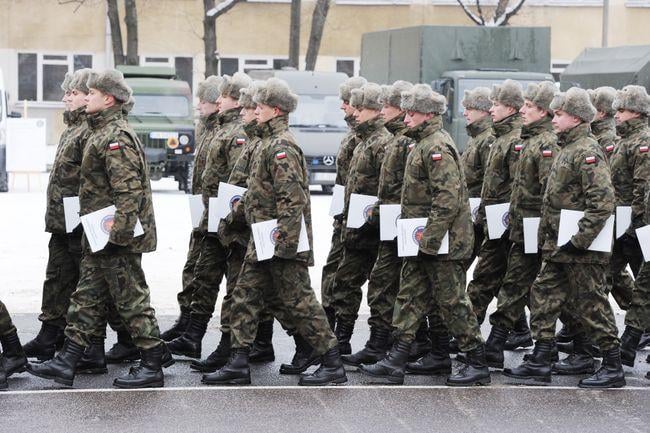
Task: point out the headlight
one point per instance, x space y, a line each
172 142
184 139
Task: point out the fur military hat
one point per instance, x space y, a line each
80 80
632 98
508 93
541 94
345 89
208 90
110 82
392 95
276 93
423 99
575 102
65 84
368 96
246 94
230 86
128 105
602 99
477 99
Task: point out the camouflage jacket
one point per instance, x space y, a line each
344 155
605 133
580 180
630 165
209 128
391 175
114 172
278 187
475 156
224 148
533 167
502 160
64 177
363 177
435 188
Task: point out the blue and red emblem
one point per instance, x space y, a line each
505 219
417 234
275 234
234 200
367 212
107 223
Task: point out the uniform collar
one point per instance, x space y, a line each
603 125
275 126
542 125
396 126
504 126
476 128
104 117
631 126
367 128
571 135
212 121
425 128
229 116
251 129
351 121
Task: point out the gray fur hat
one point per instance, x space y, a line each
477 99
508 93
80 80
345 89
541 94
128 105
632 98
230 86
392 95
575 102
208 90
602 99
111 82
423 99
65 84
246 94
368 96
276 93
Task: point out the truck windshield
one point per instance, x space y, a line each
318 110
161 105
472 83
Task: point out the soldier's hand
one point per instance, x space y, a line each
77 232
628 243
112 248
197 235
425 256
339 218
506 235
570 248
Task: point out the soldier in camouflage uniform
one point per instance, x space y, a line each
359 245
533 167
12 359
208 126
491 267
343 157
384 277
579 180
210 267
113 172
278 188
434 187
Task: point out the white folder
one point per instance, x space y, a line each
338 200
97 227
264 238
497 219
360 206
531 229
569 226
196 209
71 208
409 232
623 219
388 216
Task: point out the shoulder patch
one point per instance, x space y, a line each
610 148
547 153
411 146
643 149
281 155
240 140
590 160
436 156
518 147
114 146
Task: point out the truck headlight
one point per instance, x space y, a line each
184 139
172 142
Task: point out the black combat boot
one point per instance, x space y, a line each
62 367
43 346
580 361
124 350
330 313
94 359
453 346
343 335
609 375
645 341
189 344
178 327
495 345
390 370
374 350
474 372
3 378
520 337
564 335
538 365
148 374
629 345
436 362
13 357
216 359
304 357
167 360
555 354
421 345
262 350
330 372
235 372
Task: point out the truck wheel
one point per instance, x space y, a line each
327 189
185 178
4 183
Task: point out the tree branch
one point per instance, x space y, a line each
511 12
78 2
470 14
480 11
223 8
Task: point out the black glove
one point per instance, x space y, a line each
112 248
77 232
506 235
570 248
628 243
425 256
339 218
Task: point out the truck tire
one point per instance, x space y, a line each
185 178
327 189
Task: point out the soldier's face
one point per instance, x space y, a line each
77 100
206 108
364 114
247 114
415 118
264 113
347 108
500 111
66 100
98 101
227 103
531 113
471 115
388 112
625 115
563 121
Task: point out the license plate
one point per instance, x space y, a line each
162 135
324 177
178 151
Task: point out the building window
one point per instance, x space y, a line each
40 75
345 66
557 67
183 65
230 65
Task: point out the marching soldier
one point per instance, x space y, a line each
13 359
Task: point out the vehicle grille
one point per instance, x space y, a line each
152 143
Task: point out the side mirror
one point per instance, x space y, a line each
14 115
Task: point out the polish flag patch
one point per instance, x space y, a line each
547 153
436 156
114 146
518 147
280 155
590 160
241 141
411 146
643 149
610 148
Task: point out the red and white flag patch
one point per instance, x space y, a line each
411 146
518 147
610 148
280 155
436 156
547 153
643 149
114 146
241 141
590 160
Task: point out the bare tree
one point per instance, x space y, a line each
294 34
210 15
116 32
316 35
131 21
502 12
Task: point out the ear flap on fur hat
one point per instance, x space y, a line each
477 99
65 84
508 93
392 95
230 86
345 89
602 99
246 94
110 82
128 105
422 99
367 96
80 80
541 94
276 93
208 90
632 98
575 102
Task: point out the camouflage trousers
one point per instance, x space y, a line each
580 285
332 263
638 316
283 287
234 264
427 283
209 271
488 275
514 294
479 236
383 286
619 281
112 279
61 277
353 271
184 297
6 325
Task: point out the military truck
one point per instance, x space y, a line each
163 119
318 122
611 66
453 59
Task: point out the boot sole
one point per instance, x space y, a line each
261 359
573 373
169 363
159 384
244 381
543 379
59 380
200 369
617 384
438 372
524 345
195 355
291 371
98 370
480 382
390 380
336 381
21 369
